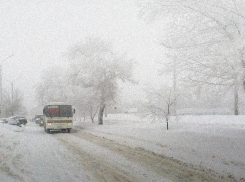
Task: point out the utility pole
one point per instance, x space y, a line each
12 90
174 85
1 92
12 86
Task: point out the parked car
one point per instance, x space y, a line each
22 120
13 121
17 120
3 120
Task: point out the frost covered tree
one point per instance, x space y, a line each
56 86
206 38
53 86
97 66
160 102
13 104
85 100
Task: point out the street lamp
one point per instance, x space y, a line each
1 83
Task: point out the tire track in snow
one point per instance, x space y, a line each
99 167
147 164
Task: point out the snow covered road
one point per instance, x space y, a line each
110 161
29 154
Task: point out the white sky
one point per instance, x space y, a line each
39 32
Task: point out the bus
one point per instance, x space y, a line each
58 116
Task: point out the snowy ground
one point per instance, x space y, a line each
216 142
30 154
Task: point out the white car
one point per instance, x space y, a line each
3 120
17 120
13 120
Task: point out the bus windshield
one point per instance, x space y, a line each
59 111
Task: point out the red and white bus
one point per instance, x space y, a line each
58 116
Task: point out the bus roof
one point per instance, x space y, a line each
59 103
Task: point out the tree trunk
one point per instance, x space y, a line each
101 112
105 112
92 118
